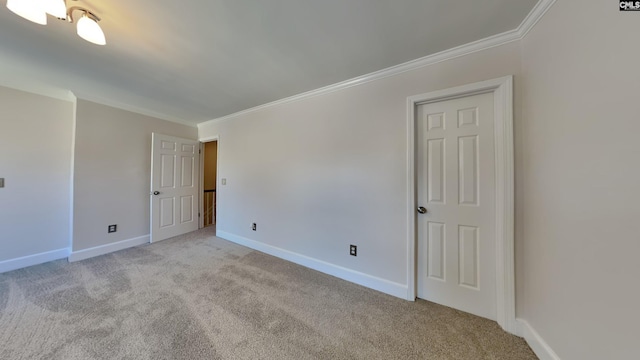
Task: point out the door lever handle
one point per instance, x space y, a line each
422 210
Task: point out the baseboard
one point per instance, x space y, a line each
535 341
36 259
372 282
109 248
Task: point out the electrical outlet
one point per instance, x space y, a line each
353 250
224 181
254 227
112 228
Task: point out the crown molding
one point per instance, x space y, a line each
16 75
534 16
496 40
134 109
445 55
38 88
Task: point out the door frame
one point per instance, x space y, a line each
201 190
502 89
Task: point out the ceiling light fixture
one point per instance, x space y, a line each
57 8
37 10
88 27
28 9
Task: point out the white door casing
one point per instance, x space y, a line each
174 186
502 90
201 185
456 186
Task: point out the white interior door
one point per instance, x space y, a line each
455 164
174 186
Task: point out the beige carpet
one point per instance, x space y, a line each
200 297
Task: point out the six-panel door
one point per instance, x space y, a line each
174 186
456 184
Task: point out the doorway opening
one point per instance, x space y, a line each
209 182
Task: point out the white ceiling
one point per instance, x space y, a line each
199 60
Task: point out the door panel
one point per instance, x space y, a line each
174 176
436 251
186 209
187 171
167 171
437 178
456 184
469 256
468 172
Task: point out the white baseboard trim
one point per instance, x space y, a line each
372 282
109 248
36 259
535 341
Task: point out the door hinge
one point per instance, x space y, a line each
198 214
200 151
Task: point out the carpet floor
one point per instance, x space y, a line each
200 297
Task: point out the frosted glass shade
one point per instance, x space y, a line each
89 30
56 8
31 10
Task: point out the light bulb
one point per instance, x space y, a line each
31 10
89 30
57 8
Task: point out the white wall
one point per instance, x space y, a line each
111 175
319 174
36 145
581 190
113 172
